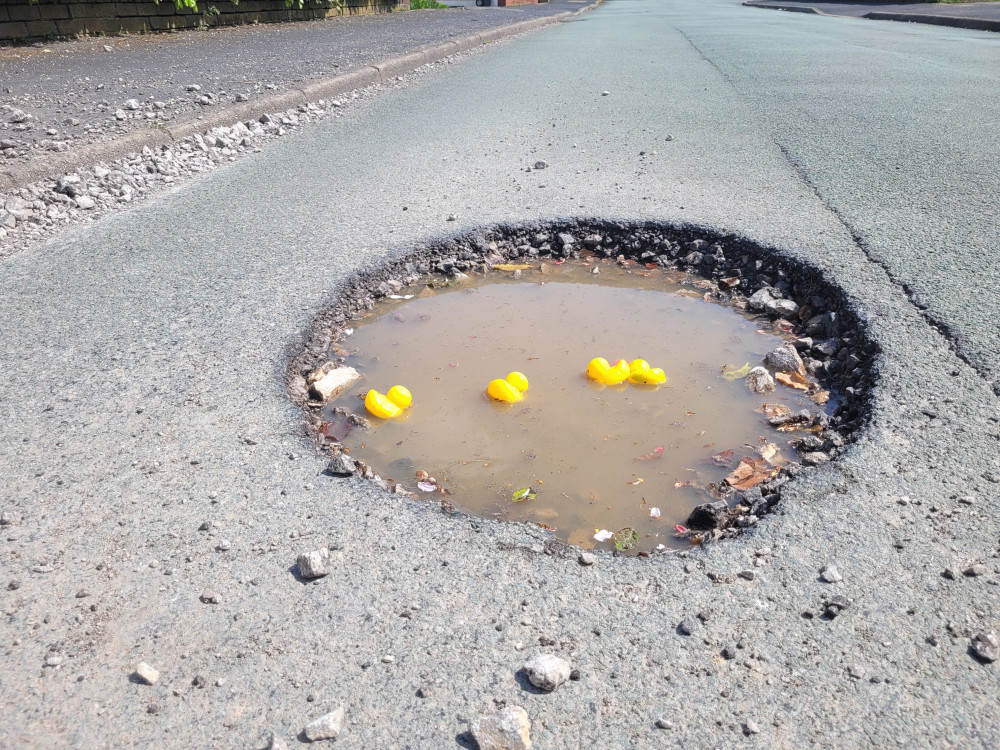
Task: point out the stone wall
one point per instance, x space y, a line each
22 19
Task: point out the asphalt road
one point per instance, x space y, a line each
72 89
142 394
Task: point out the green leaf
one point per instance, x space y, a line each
626 539
523 494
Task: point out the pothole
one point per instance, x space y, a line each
634 466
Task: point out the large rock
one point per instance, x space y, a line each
769 300
547 672
328 384
785 359
759 381
342 465
326 727
507 729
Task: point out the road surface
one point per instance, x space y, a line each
142 394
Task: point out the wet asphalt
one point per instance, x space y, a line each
142 393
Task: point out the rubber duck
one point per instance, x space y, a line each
389 405
600 370
509 389
641 372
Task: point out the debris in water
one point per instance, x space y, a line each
657 453
603 535
512 267
523 494
729 372
654 512
820 397
793 380
637 480
750 472
427 486
625 539
723 459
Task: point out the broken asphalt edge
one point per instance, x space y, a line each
958 22
278 101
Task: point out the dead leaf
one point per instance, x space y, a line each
821 397
637 480
789 427
750 472
658 453
678 485
729 282
703 284
512 267
723 459
793 380
690 413
774 411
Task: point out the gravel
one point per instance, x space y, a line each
326 727
547 671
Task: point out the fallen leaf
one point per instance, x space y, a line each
820 397
678 485
793 380
637 480
625 539
723 459
421 475
523 494
603 535
773 411
690 413
729 282
750 472
512 267
650 456
729 372
703 284
790 427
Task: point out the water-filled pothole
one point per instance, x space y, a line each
593 460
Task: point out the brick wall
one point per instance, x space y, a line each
22 19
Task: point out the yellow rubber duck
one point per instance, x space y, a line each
389 405
600 370
509 389
641 372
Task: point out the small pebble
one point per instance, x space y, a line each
146 673
830 574
587 558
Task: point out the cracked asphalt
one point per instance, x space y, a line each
142 393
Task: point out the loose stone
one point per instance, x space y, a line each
146 673
326 727
986 647
507 729
975 570
830 574
785 359
546 671
662 723
751 727
587 558
327 385
276 743
315 564
210 597
708 516
689 625
342 465
759 381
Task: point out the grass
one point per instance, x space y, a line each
425 4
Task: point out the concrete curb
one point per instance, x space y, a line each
958 22
53 165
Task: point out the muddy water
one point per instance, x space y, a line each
596 458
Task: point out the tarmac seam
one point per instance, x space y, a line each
936 324
324 88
